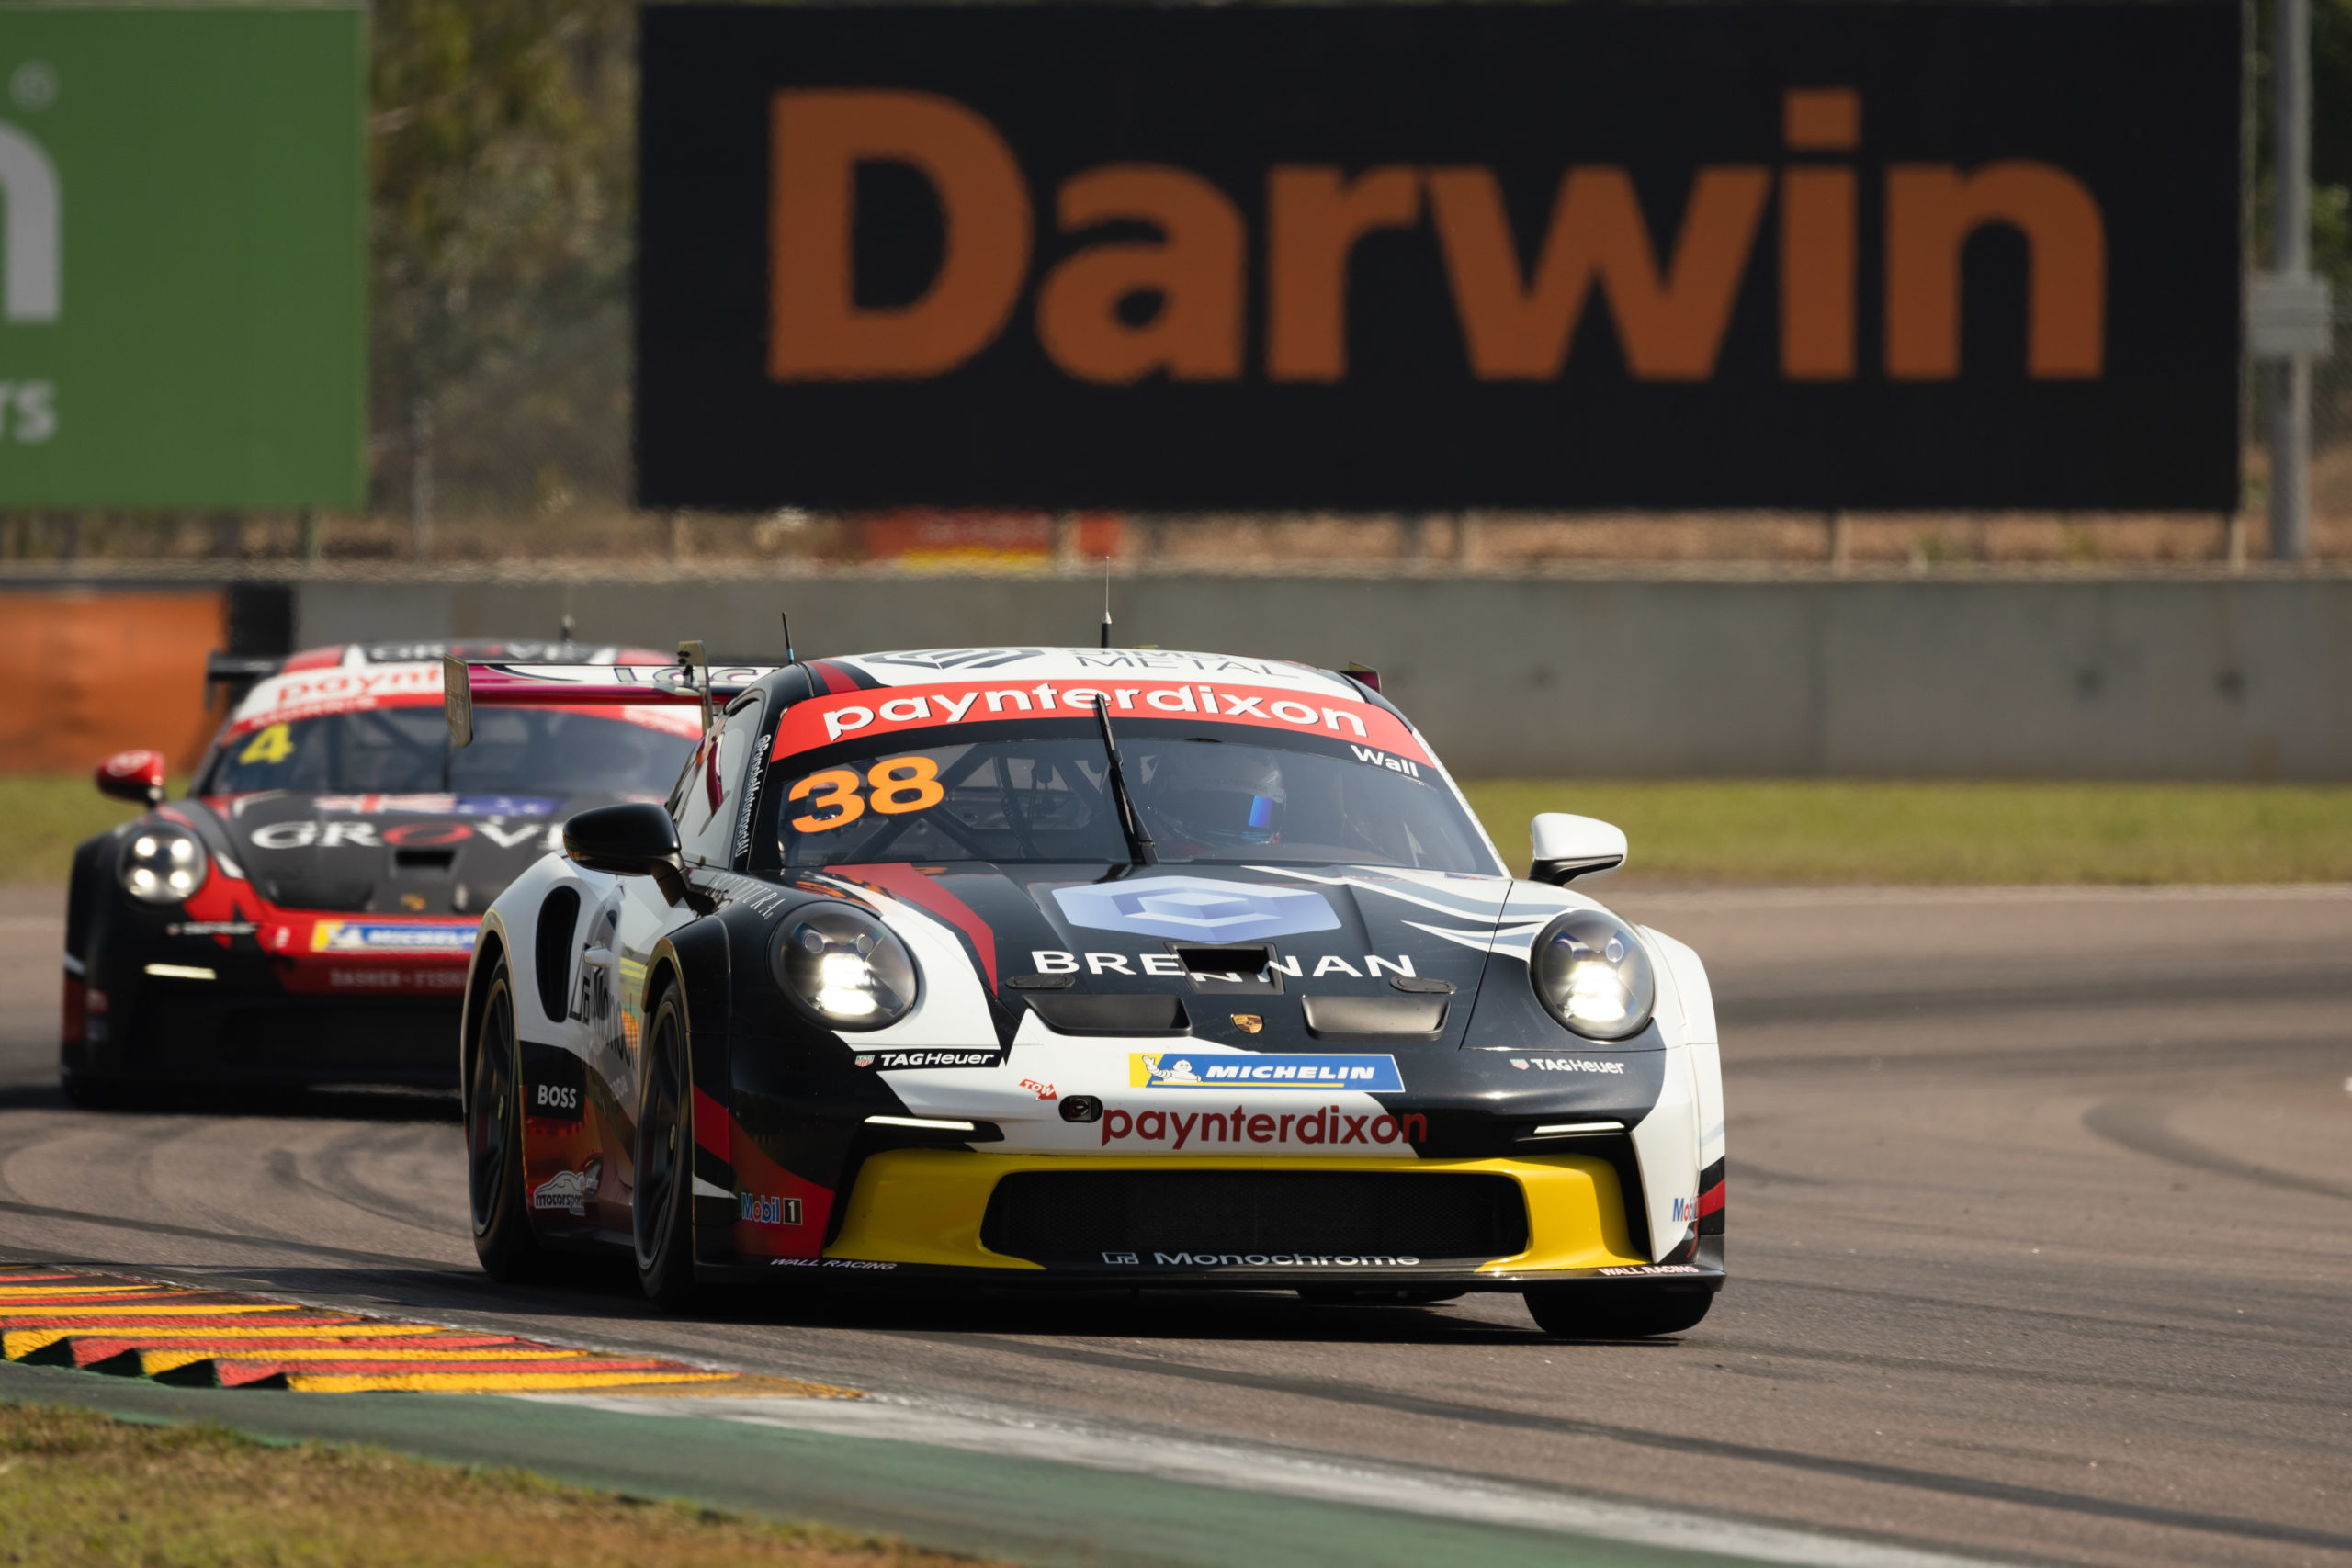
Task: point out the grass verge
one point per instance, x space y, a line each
84 1488
1734 830
43 816
1826 832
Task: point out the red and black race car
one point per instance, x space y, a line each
305 915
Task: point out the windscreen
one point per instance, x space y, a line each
395 751
1205 792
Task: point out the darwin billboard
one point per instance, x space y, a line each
183 301
1428 257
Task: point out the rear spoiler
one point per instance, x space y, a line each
692 679
238 671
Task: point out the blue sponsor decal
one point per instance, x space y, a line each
407 936
503 805
1187 1070
1196 909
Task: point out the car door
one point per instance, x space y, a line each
703 805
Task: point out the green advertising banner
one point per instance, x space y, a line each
183 292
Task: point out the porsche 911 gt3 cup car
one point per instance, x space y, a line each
1097 968
306 913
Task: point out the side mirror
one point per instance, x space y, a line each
636 840
1565 847
134 775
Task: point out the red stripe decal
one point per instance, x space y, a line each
1711 1200
904 882
711 1126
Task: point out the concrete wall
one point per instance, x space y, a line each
2245 678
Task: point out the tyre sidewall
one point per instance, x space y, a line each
665 1243
1632 1312
504 1241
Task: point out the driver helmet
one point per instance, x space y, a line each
1217 794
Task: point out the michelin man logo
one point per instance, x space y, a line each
1195 909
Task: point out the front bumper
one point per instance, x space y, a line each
923 1213
261 1019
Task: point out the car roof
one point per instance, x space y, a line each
939 666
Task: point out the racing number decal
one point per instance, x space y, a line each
900 785
840 787
906 784
272 745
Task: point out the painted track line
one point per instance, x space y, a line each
1351 1481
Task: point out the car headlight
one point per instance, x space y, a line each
844 966
162 864
1592 975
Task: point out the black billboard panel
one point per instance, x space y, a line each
1816 255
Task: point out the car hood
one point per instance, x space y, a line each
1054 940
386 854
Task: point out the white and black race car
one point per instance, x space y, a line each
1085 967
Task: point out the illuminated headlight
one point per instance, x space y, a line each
1593 975
162 864
844 966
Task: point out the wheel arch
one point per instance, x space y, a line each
489 952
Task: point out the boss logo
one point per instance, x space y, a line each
555 1085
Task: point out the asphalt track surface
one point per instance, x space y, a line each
2038 1227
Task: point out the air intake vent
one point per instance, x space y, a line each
1375 1018
551 960
1077 1216
1140 1013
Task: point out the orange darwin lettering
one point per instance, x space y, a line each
1194 332
1669 328
1931 209
1818 238
1314 219
817 331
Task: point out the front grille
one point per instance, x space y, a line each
1045 1214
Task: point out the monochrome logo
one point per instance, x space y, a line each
1196 908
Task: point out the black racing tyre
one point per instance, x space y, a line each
503 1237
665 1162
95 1091
1612 1312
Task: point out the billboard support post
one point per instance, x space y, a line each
2290 413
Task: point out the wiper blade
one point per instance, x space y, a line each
1140 846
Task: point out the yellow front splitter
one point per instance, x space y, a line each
924 1207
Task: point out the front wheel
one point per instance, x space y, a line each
1631 1312
94 1091
665 1162
503 1237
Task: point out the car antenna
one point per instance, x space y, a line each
1106 617
789 657
693 663
1140 849
567 625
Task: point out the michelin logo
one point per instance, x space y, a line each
1174 1069
369 936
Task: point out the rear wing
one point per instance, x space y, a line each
692 679
239 673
